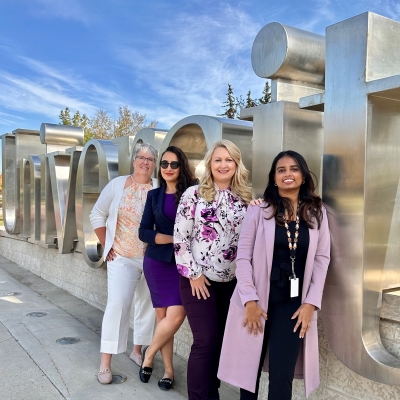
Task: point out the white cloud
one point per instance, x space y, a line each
62 79
321 14
391 8
10 119
43 89
193 59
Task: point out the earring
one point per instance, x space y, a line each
276 184
303 182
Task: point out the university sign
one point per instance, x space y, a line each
335 100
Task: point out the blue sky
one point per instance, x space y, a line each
166 58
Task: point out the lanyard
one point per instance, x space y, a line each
293 246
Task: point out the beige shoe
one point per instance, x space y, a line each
104 377
136 359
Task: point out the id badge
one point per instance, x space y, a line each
294 287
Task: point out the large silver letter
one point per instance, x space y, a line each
361 177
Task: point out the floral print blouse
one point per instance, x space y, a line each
206 234
130 211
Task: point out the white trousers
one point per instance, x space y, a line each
125 282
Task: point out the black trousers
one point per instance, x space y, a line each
207 319
284 346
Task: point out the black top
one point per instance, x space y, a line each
282 264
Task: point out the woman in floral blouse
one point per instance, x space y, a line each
206 234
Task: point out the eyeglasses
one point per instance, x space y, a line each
174 164
143 159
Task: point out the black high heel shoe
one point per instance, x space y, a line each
145 372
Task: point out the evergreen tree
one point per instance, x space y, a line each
229 104
65 117
239 104
233 105
266 98
250 102
76 120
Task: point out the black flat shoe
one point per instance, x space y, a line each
145 372
165 383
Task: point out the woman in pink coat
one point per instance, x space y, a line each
282 260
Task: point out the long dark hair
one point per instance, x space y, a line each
310 204
186 177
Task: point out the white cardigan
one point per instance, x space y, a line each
105 210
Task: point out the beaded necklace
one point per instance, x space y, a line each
294 282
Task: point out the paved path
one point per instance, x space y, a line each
33 366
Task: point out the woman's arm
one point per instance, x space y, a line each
184 224
101 234
244 273
162 238
147 233
314 295
99 214
244 268
321 263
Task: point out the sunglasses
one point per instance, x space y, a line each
174 164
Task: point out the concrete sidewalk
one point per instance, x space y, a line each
33 366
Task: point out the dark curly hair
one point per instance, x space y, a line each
186 177
310 204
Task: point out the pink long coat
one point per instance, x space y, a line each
241 352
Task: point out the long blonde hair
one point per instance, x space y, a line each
239 185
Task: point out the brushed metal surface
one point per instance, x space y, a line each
10 193
383 48
98 164
63 168
283 126
280 51
31 183
48 231
15 147
361 177
282 89
314 102
197 133
58 137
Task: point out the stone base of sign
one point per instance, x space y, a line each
71 273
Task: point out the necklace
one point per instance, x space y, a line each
294 282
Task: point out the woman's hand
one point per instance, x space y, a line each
256 202
304 314
253 317
111 255
199 287
161 238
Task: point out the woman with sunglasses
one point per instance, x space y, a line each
159 265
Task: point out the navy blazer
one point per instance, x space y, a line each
154 221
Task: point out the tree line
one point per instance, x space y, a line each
128 122
233 104
105 126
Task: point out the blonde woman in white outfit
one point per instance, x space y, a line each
115 219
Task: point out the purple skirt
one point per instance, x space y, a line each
163 280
